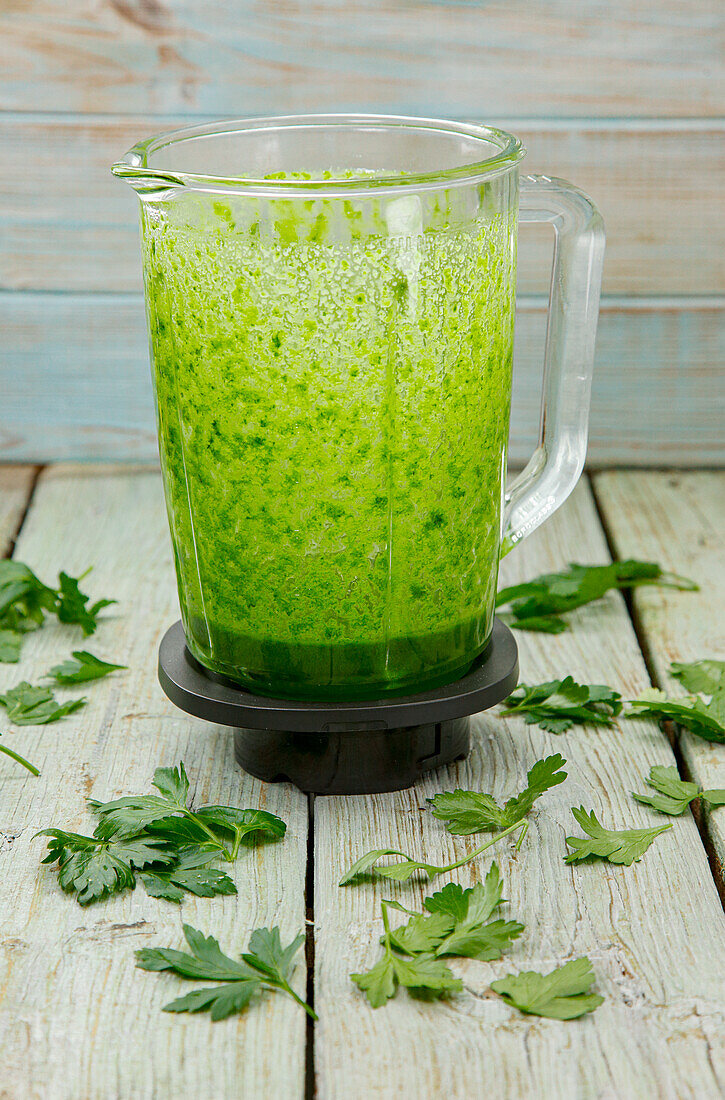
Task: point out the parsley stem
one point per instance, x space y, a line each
20 759
479 850
237 842
212 836
386 925
522 834
288 989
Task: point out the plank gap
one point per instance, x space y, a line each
637 625
14 534
669 731
310 1076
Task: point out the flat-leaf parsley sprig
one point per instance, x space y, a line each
615 845
175 844
539 603
93 868
25 601
168 815
83 666
466 812
561 995
419 972
266 965
559 704
673 795
72 604
401 872
27 705
705 719
458 922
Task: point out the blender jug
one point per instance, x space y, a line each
330 303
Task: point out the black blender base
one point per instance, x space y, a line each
353 762
343 748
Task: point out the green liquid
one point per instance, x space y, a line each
333 406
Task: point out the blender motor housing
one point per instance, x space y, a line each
342 748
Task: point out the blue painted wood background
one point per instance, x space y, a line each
627 100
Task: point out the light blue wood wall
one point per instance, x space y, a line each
627 100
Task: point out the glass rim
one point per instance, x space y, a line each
134 167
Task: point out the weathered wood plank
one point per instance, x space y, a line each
76 1017
69 225
660 1031
75 374
16 484
656 58
75 378
677 519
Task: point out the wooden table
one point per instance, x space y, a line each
79 1022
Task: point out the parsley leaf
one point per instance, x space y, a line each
401 872
454 914
36 706
93 868
380 982
24 598
265 965
692 712
422 934
705 677
468 812
559 704
204 882
71 606
10 644
561 995
128 815
20 759
541 624
246 826
173 783
674 795
422 973
471 933
189 874
84 666
617 846
706 720
481 941
536 604
208 826
211 824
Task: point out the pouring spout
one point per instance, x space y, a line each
145 180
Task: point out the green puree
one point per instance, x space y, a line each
332 385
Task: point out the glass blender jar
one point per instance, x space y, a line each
330 303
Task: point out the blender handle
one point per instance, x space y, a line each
576 278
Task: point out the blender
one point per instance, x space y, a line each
330 303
